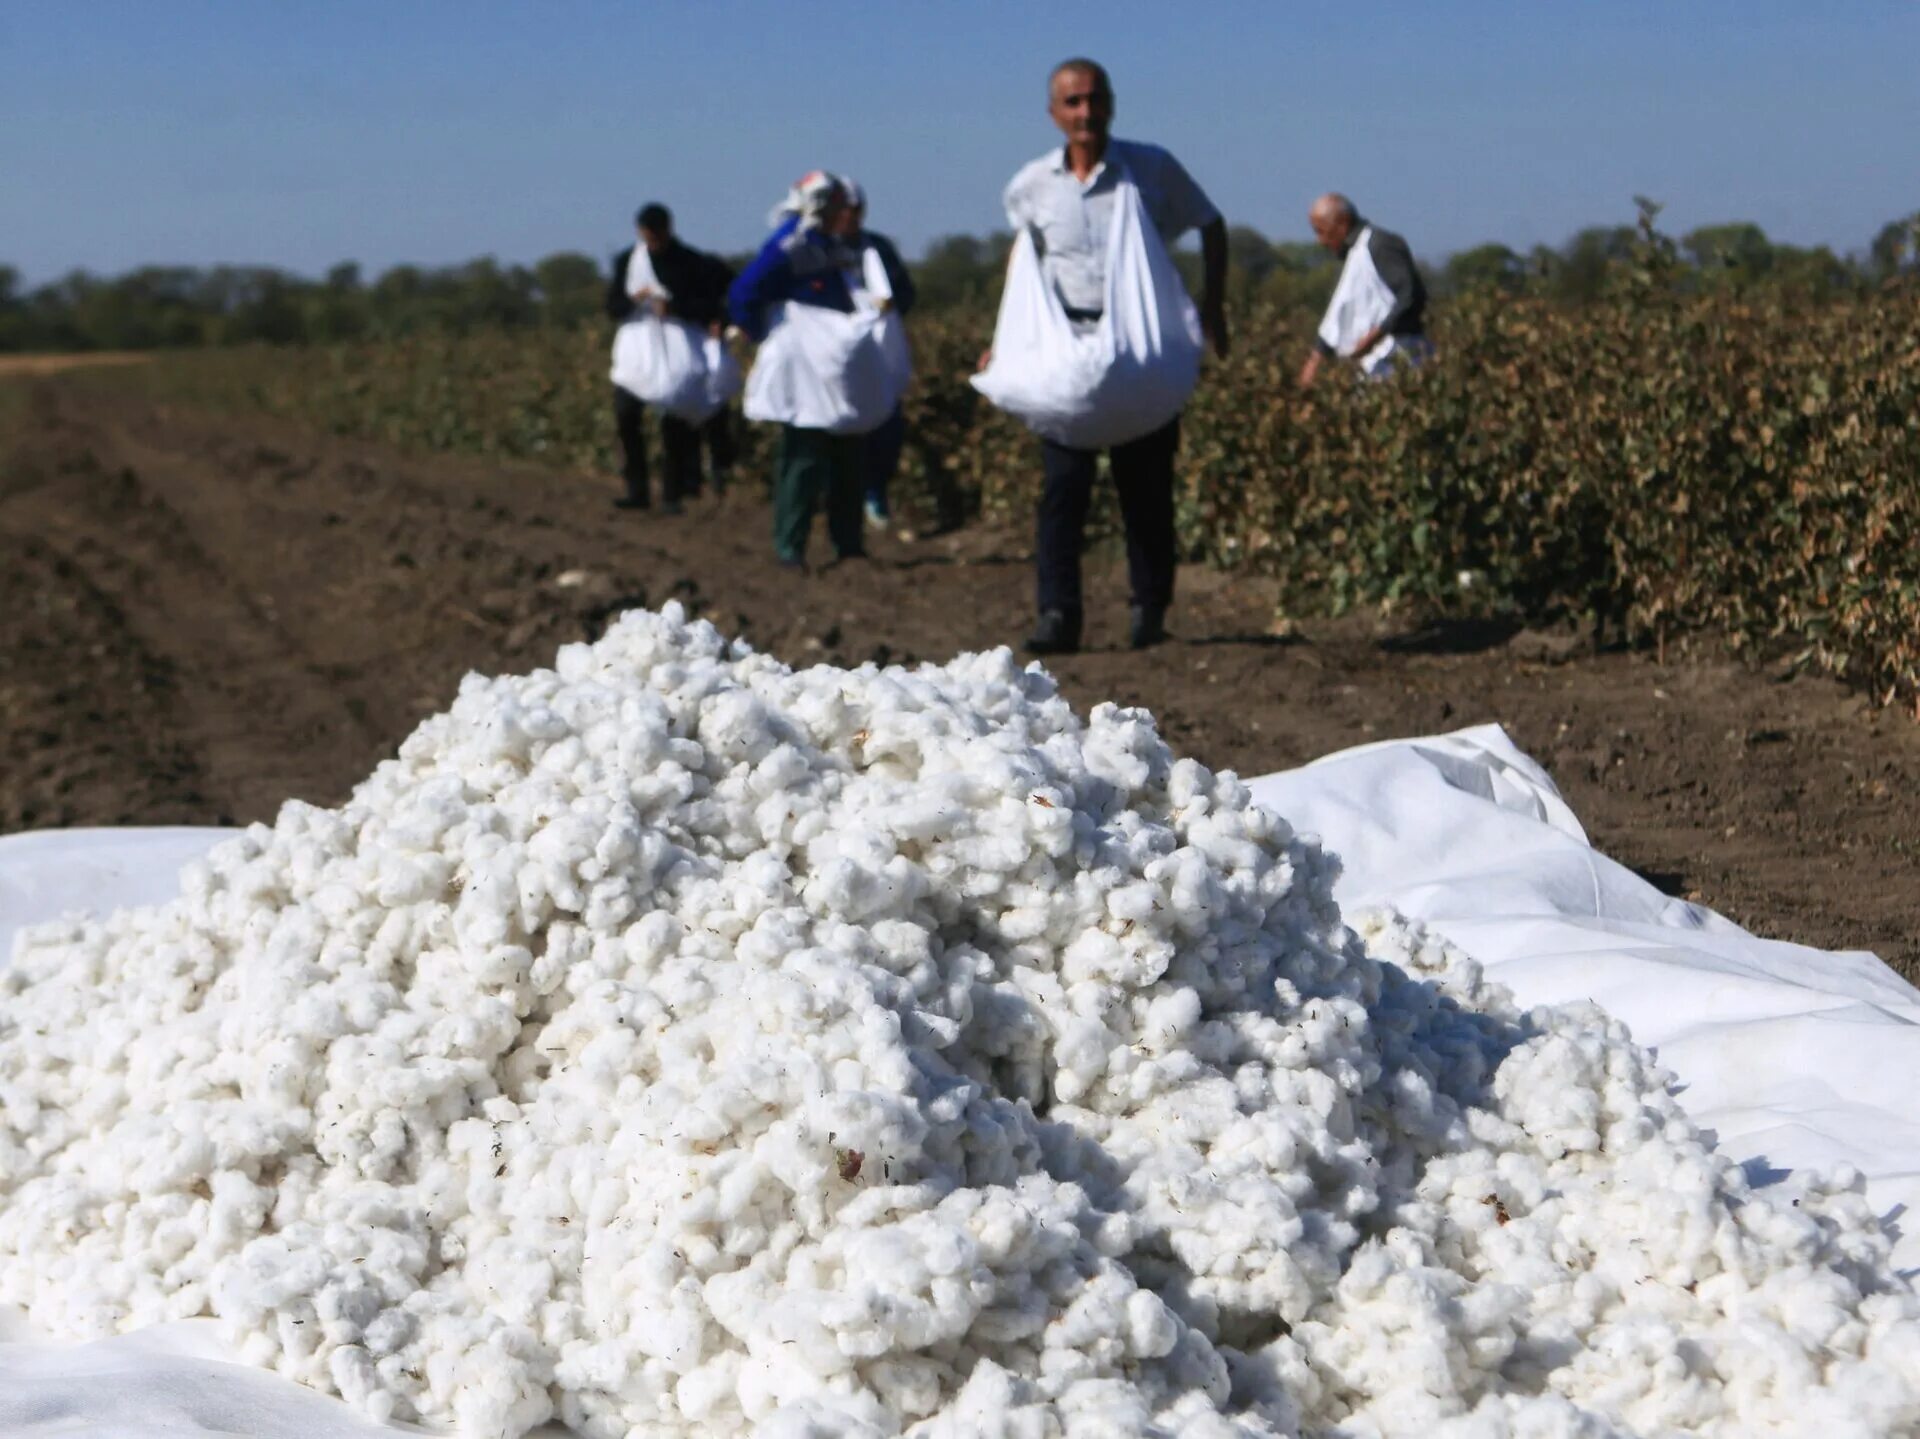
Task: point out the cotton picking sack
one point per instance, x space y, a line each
661 361
1360 301
1123 378
889 329
821 369
724 379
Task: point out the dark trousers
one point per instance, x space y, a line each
817 470
883 456
629 416
680 442
1143 475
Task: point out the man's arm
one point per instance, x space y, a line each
1184 206
698 309
686 274
1316 357
708 277
1213 300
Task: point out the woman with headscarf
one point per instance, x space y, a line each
819 373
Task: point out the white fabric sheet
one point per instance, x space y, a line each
1795 1056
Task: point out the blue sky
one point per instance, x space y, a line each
298 135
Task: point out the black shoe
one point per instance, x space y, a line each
1149 626
717 481
631 502
670 507
1057 633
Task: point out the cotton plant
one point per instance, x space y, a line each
670 1042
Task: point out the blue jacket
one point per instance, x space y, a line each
803 266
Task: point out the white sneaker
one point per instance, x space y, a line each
876 516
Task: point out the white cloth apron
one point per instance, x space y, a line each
1102 385
1360 301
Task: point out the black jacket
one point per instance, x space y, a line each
898 276
696 280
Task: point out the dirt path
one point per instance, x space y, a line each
200 618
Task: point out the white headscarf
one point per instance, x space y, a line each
809 198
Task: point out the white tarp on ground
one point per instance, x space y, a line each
1795 1056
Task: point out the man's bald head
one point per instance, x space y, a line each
1080 100
1080 65
1332 218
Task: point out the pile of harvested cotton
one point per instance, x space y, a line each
671 1043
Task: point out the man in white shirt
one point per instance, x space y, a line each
1065 200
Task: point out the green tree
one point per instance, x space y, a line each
1735 256
1302 277
1586 262
1810 274
961 269
1896 247
1250 259
1484 267
13 312
570 287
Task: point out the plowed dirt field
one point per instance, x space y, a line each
201 617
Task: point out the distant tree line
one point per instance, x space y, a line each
164 306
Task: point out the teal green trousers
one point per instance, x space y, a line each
818 470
